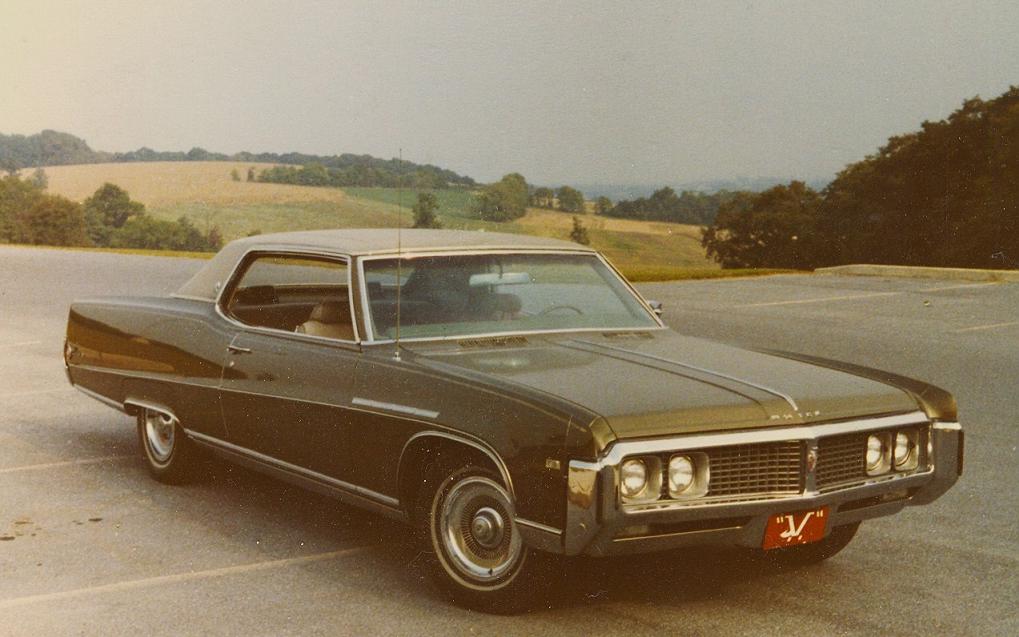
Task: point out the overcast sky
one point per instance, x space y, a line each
649 93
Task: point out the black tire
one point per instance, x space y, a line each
464 520
813 553
169 455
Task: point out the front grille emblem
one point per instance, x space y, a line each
811 460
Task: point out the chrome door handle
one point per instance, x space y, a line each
237 349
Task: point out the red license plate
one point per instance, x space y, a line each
790 529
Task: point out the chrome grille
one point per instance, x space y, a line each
841 459
772 467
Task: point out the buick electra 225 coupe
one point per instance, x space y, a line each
512 398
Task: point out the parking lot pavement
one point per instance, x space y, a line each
89 544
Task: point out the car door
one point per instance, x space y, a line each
286 388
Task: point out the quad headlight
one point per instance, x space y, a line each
682 473
649 478
633 478
893 451
879 459
907 452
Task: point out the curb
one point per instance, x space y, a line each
922 272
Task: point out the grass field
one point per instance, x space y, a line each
206 193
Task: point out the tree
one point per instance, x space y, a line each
691 207
10 166
424 211
155 234
39 179
774 228
543 197
602 206
946 195
52 220
570 199
16 195
579 233
214 240
504 200
236 176
107 210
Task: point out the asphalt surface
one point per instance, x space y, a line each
89 544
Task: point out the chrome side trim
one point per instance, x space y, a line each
403 409
178 381
532 333
742 381
619 450
540 536
151 406
538 526
103 399
379 498
189 297
485 449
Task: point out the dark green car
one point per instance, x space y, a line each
511 397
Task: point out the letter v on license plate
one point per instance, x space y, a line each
790 529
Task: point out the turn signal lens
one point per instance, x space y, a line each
634 478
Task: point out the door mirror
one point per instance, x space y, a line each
656 307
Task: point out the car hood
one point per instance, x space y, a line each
660 383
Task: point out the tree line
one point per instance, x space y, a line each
54 148
360 175
946 195
108 218
692 207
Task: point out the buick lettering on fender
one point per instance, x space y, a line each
511 397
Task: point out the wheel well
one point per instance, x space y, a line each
422 453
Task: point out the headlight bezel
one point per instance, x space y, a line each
657 485
698 485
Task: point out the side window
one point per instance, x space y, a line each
293 294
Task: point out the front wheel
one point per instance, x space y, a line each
168 453
467 522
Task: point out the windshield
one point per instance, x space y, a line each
463 295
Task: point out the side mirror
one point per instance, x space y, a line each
656 307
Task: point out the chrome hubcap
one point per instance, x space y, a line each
475 525
487 527
159 434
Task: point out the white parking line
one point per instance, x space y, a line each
35 392
64 463
824 300
959 287
179 577
21 344
986 327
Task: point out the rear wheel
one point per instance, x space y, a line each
467 522
167 451
812 553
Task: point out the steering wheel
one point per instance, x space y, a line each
556 308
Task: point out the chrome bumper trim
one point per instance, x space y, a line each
595 516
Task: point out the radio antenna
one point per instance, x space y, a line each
399 250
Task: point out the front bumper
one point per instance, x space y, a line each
597 523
